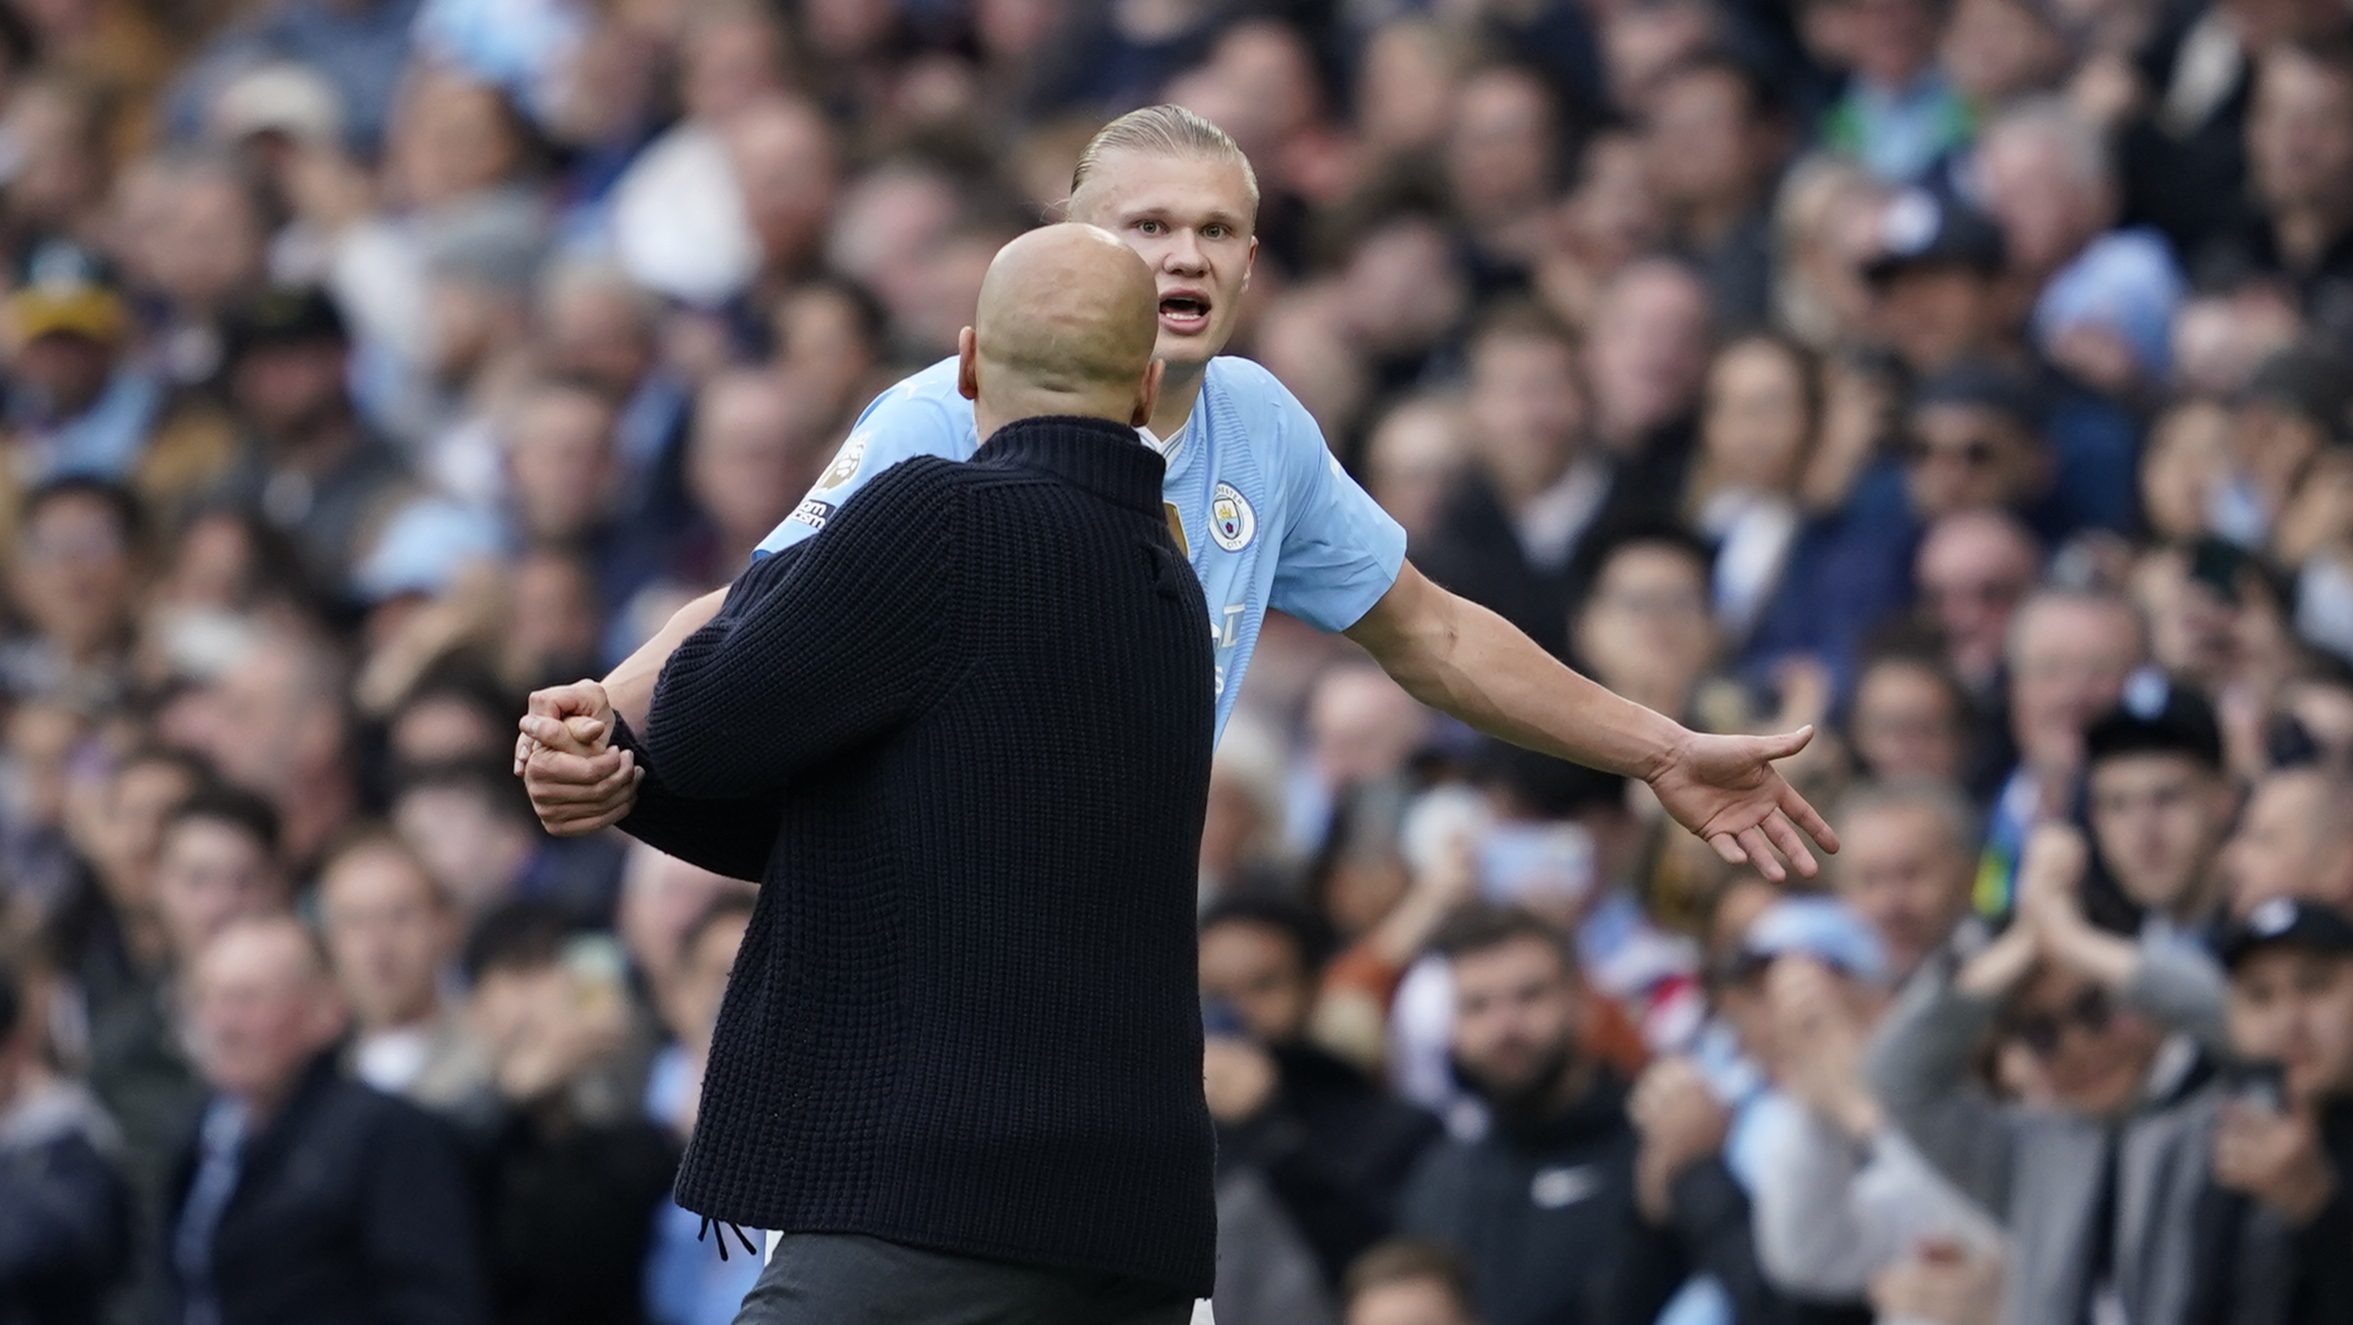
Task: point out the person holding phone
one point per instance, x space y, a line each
2285 1139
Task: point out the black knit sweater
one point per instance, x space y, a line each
963 738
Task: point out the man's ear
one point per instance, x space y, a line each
1148 398
968 364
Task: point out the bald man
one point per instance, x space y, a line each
963 739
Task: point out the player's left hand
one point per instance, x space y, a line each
1726 790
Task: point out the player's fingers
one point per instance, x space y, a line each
1785 836
587 731
619 781
559 777
524 745
1760 855
1727 850
561 733
1807 820
1788 743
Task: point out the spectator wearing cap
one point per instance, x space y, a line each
2299 223
63 1241
1544 1204
1838 1196
2286 1142
309 465
359 47
75 406
2294 840
2100 1185
1332 1147
301 1195
2160 803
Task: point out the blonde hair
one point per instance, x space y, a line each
1163 130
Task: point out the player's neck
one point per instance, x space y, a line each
1179 389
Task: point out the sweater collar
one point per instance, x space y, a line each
1108 459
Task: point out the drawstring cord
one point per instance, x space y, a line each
740 1236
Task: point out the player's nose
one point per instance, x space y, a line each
1183 257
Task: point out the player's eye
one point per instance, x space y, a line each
1150 227
1215 231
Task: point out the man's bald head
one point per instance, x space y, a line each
1068 316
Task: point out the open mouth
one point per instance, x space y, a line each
1184 313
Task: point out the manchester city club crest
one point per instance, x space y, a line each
1232 523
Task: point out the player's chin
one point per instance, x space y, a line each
1188 348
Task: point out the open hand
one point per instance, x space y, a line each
1726 790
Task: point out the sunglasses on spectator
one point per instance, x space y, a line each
2091 1011
1975 453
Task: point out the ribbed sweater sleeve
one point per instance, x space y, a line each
810 655
727 837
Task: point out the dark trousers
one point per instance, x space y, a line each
840 1279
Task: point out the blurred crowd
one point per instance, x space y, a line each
1968 378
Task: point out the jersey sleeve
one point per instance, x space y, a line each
899 424
1340 552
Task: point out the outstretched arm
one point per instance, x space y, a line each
1462 659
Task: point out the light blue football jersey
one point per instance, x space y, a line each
1269 517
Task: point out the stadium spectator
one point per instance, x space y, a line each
284 274
1759 420
2075 1181
300 1191
2160 804
1974 568
392 937
2292 841
685 1283
1839 1198
217 861
69 1211
77 564
1332 1148
2068 658
2285 1143
1558 1167
576 1172
1408 1283
1910 719
308 464
1907 861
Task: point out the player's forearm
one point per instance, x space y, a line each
630 687
1463 659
